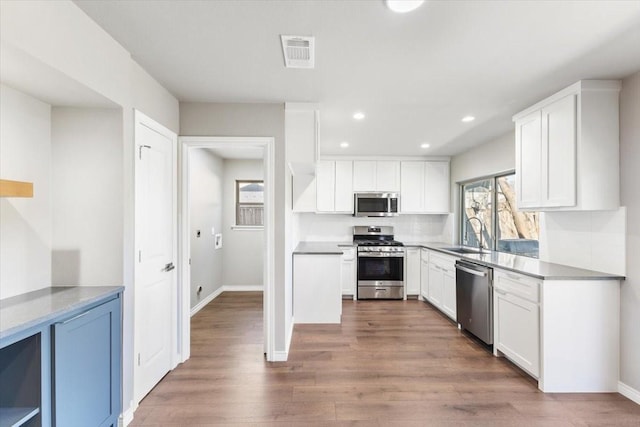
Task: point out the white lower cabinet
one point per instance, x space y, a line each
316 288
424 274
516 316
442 283
348 272
412 271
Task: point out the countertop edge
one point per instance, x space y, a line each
568 277
44 319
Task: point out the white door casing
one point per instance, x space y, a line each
155 315
268 146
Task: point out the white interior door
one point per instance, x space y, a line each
155 279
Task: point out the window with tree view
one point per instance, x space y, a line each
249 203
490 216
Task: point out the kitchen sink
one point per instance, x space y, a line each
459 250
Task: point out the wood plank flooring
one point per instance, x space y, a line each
390 363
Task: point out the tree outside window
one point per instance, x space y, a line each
489 207
250 203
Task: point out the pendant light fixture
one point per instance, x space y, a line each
403 6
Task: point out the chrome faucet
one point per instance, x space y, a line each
466 232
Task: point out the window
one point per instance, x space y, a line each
489 214
250 203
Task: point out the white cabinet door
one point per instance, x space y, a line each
388 176
325 186
344 186
559 153
424 273
371 175
436 187
412 187
528 161
449 293
436 283
348 272
517 330
412 276
364 175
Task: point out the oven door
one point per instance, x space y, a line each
380 267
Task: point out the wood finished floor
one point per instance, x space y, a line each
390 363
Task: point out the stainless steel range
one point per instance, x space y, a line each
380 263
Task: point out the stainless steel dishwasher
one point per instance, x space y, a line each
474 299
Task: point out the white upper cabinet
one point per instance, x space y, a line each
567 149
334 189
372 175
325 186
344 186
424 187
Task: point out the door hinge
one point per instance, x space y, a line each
189 261
138 359
139 256
140 150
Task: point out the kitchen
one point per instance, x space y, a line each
25 29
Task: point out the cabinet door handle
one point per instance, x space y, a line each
75 317
513 276
499 291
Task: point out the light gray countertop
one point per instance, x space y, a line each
25 311
321 248
521 264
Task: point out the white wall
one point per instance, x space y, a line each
211 119
61 37
206 176
339 228
87 183
242 248
25 224
630 197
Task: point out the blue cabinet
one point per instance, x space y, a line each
60 357
86 368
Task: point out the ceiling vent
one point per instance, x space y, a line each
299 51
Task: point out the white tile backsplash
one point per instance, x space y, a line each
407 228
595 240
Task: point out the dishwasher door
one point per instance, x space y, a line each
474 299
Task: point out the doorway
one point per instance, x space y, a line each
264 145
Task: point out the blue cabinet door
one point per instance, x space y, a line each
86 368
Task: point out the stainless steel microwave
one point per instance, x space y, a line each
376 204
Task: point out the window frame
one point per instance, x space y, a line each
494 214
238 204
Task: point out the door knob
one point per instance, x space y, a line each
169 267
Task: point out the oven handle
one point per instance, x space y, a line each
380 255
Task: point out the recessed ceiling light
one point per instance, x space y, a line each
467 119
358 115
403 6
425 145
344 144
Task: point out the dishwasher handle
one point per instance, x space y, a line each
471 271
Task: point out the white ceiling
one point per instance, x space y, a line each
414 75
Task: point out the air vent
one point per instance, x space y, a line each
299 51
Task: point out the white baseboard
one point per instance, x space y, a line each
629 392
243 288
225 288
206 300
127 416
